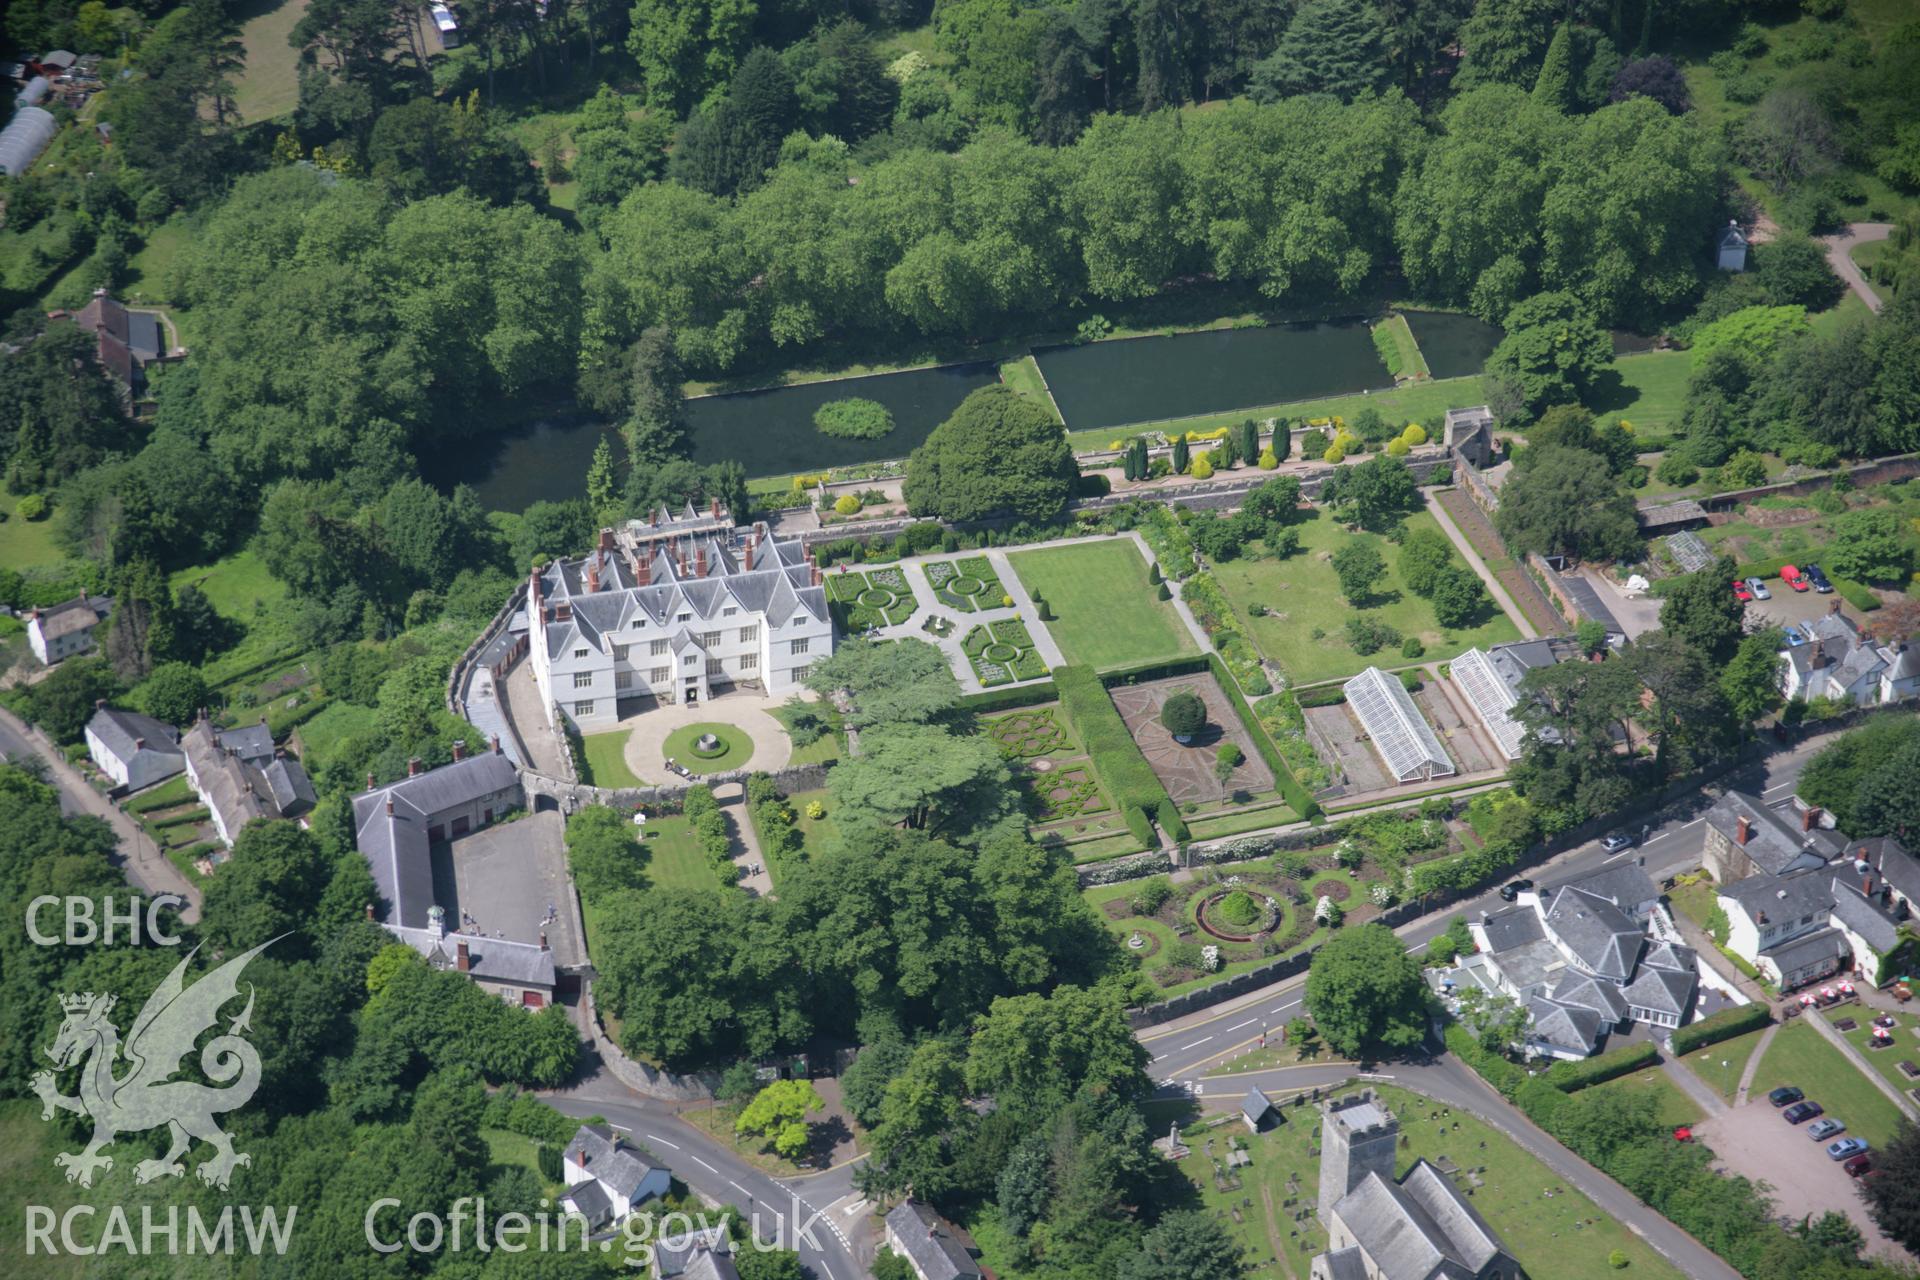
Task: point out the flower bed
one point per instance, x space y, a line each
968 585
1002 652
874 599
1028 734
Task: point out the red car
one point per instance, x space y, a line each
1740 590
1794 578
1858 1165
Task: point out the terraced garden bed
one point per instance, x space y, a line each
968 584
877 598
1002 653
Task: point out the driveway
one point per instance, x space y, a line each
750 713
1840 257
1636 613
1753 1141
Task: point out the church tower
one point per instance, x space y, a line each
1358 1136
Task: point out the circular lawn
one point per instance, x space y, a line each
735 748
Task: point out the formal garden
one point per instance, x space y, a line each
709 747
873 598
968 584
1100 606
1003 653
1058 779
1271 1198
1295 611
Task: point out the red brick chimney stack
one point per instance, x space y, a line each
459 748
593 576
1810 817
716 508
606 539
370 782
413 767
496 744
389 805
461 959
369 911
1743 831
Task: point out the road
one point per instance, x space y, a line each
819 1215
146 867
1840 257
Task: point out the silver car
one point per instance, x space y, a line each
1825 1128
1759 589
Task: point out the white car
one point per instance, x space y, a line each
1759 589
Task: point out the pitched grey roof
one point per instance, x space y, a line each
1513 927
674 1255
1775 844
395 845
288 788
1415 1229
1889 860
707 1265
1905 664
1603 998
1256 1105
253 743
67 617
1564 1024
118 731
931 1243
608 1158
1807 950
1625 885
1603 938
1784 898
1667 990
591 1201
1669 955
240 791
522 964
1346 1264
1854 910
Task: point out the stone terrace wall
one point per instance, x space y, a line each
571 796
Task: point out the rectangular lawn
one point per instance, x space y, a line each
1104 609
1302 594
1801 1056
607 758
674 859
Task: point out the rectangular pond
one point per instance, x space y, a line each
770 432
1133 380
1453 344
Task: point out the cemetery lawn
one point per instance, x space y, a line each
1105 613
1302 594
1544 1233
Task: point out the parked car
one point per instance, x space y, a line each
1825 1127
1801 1112
1785 1094
1759 589
1794 578
1795 637
1818 577
1857 1165
1846 1148
1513 889
1615 841
1740 591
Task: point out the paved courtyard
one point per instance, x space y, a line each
502 879
1186 769
1752 1140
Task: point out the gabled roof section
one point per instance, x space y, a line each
1514 927
932 1243
1602 938
1493 700
1567 1025
1814 947
1625 885
1665 990
599 1150
1864 917
1774 844
118 731
1400 733
1581 991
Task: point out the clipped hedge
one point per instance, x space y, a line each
1855 594
1298 798
1026 695
1168 816
1155 671
1141 826
1494 1069
1116 756
1327 695
1571 1077
1723 1025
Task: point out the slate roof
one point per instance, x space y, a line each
118 730
288 788
242 792
253 743
1670 955
707 1265
1414 1229
1256 1106
1905 664
1346 1264
1603 998
1773 843
1665 990
674 1255
608 1159
932 1245
1514 927
1625 885
1731 238
1564 1024
523 964
590 1200
396 847
1587 602
1889 860
1864 917
1784 898
1603 939
1808 949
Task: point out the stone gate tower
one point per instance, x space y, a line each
1358 1136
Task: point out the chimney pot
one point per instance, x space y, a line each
543 939
99 704
139 744
1745 829
369 911
459 748
495 740
370 783
413 766
606 539
716 508
389 806
460 955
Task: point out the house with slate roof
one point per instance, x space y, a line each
606 1178
1584 960
932 1246
239 789
1746 837
1418 1227
136 751
697 1255
57 633
674 608
395 829
1836 662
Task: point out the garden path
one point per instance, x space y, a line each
1479 566
1709 1102
750 713
1753 1063
926 606
1840 257
746 841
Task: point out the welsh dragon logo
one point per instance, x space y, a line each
146 1097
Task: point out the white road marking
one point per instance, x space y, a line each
1236 1026
737 1187
704 1165
1195 1045
655 1138
855 1207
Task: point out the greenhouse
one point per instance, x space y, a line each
24 138
1400 733
1493 699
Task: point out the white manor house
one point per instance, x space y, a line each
674 608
